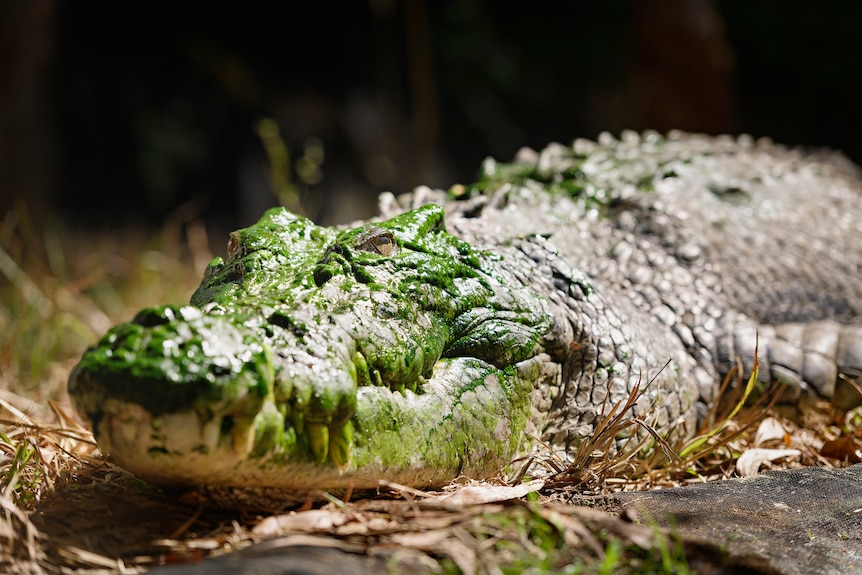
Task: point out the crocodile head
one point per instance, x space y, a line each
323 357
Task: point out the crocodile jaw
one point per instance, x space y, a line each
173 447
456 426
180 449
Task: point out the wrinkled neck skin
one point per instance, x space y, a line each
324 358
600 343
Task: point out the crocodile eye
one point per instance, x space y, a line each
377 242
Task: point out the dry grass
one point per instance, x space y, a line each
738 437
61 289
65 508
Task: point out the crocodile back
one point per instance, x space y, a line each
693 246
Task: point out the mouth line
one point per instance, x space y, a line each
185 448
126 425
455 426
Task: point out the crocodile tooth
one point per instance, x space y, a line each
297 418
415 384
363 376
211 433
242 434
340 440
318 440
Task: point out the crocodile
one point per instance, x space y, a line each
462 327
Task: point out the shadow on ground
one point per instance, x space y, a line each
797 521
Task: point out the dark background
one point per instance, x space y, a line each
113 113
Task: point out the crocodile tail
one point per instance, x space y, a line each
813 360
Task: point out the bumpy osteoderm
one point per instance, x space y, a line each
323 357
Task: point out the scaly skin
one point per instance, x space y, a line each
322 358
318 356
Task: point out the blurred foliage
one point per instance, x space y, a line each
61 290
124 123
308 169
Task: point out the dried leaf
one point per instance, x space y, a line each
768 430
806 439
844 449
365 526
303 540
319 520
462 554
421 539
478 494
749 462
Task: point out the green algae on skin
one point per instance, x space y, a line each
380 349
593 179
469 422
178 359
